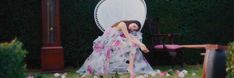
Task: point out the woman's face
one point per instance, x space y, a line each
133 27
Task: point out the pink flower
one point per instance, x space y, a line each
168 46
107 32
98 46
116 43
108 54
163 74
30 76
90 69
135 45
122 35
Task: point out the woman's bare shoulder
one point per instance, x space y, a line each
121 24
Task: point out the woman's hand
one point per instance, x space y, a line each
144 48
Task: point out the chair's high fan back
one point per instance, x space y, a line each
108 12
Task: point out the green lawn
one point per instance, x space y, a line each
192 69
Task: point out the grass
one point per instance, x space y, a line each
197 69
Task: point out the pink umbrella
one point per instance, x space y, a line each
168 46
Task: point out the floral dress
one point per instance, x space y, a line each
111 53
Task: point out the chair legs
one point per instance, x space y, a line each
176 59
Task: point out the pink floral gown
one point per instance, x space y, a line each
111 53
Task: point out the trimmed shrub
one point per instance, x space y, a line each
11 60
230 61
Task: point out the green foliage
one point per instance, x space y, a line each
11 60
230 61
39 75
116 75
22 19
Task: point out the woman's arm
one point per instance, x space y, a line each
140 44
123 27
128 36
137 41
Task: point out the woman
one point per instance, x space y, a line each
118 50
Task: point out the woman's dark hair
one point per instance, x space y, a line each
128 22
